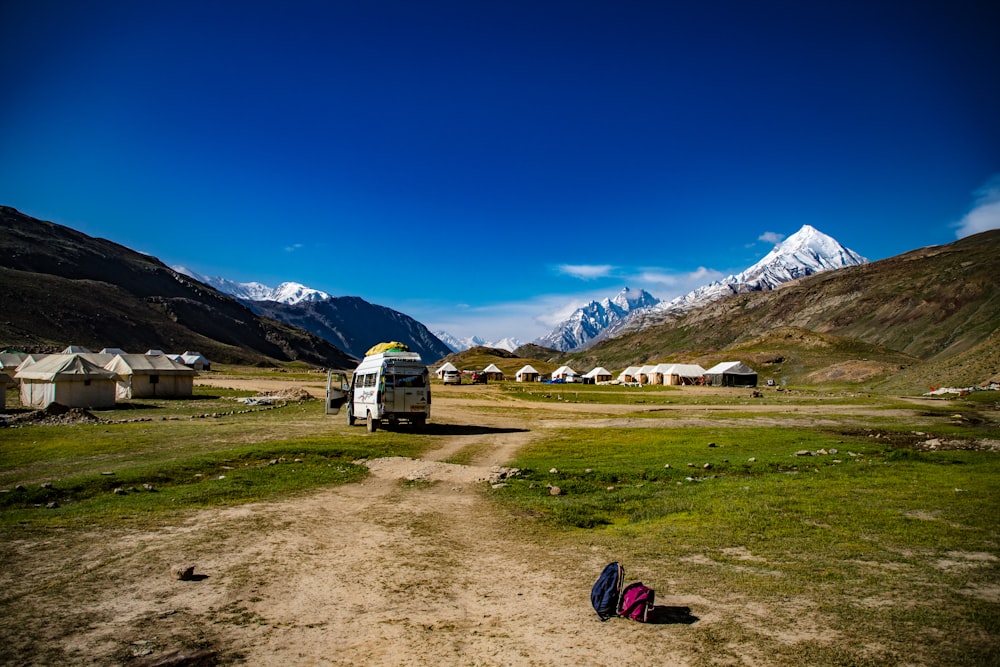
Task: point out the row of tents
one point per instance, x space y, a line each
83 379
725 374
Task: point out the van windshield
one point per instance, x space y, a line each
414 380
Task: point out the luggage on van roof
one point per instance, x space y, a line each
387 347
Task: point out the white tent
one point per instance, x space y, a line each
565 373
677 374
75 349
630 374
9 361
196 361
599 374
67 379
731 374
448 366
493 372
527 374
142 376
645 373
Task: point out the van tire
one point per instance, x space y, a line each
371 423
350 414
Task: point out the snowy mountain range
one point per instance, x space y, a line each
587 323
461 344
288 293
804 253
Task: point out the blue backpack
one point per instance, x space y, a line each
607 591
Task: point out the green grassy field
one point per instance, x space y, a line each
839 515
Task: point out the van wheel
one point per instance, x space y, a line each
350 415
371 424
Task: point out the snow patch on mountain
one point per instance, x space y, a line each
804 253
458 344
289 293
587 323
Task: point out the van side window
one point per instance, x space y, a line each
370 379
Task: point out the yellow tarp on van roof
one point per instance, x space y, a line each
387 347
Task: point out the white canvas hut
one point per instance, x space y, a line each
527 374
731 374
565 373
9 361
645 373
196 361
155 353
630 374
493 373
686 374
67 379
447 366
599 374
5 382
147 377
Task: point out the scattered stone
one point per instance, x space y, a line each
20 487
690 465
53 505
46 485
666 465
804 452
148 487
712 444
752 459
555 491
834 451
611 488
588 471
109 472
553 471
821 452
707 466
184 572
498 485
118 491
298 460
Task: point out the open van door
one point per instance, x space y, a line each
337 390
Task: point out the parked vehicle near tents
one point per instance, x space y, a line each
390 386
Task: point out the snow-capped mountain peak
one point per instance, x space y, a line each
287 292
461 344
585 325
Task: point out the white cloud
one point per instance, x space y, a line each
585 271
774 238
985 213
293 247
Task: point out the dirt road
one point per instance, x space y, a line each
409 567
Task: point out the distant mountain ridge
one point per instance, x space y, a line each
806 252
457 344
587 323
288 292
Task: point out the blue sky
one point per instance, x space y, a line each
485 167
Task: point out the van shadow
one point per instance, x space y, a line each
467 429
664 615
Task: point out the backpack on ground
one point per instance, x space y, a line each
637 602
611 598
607 591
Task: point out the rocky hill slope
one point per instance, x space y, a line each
63 287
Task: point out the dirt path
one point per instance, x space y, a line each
409 567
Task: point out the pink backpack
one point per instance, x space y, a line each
637 602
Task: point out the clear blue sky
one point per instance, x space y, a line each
484 166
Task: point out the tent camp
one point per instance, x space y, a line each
565 373
67 379
5 381
141 377
677 374
598 375
527 374
493 373
447 366
731 374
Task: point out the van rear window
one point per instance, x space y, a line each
413 380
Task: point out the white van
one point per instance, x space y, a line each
391 387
